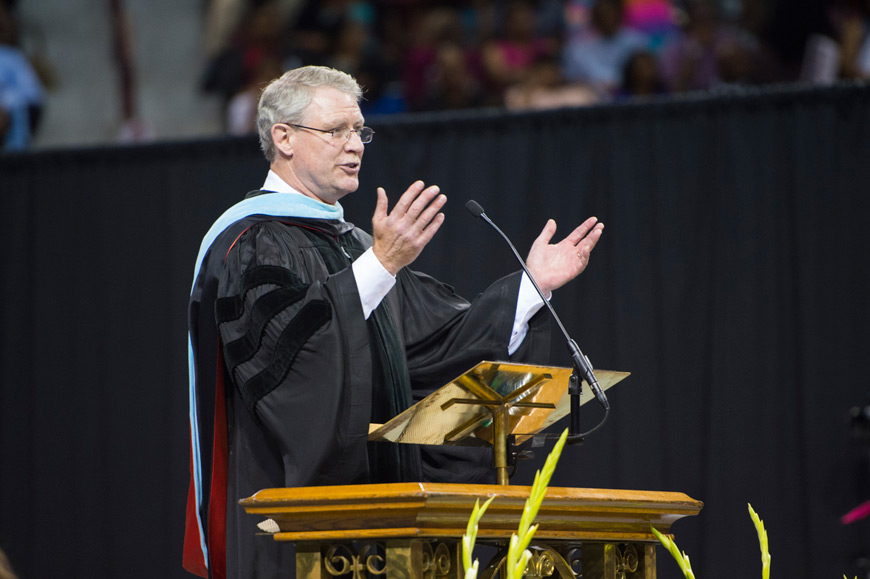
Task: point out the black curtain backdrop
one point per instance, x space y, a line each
732 281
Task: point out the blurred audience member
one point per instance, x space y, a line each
383 93
241 110
545 88
480 19
709 54
350 49
258 40
854 40
371 60
21 92
317 30
598 58
508 58
821 63
652 18
437 61
578 20
452 83
550 20
222 18
641 76
785 33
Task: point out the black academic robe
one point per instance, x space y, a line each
303 373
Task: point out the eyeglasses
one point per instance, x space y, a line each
342 134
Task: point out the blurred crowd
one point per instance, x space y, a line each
414 55
424 55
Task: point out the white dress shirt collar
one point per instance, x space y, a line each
277 184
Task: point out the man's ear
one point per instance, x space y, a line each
283 139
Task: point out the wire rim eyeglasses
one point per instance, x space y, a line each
365 134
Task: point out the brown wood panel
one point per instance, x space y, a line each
442 510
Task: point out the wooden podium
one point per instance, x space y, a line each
414 530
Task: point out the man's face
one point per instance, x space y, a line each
322 166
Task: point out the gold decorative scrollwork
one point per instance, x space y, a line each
626 560
338 560
428 561
437 562
545 562
341 560
375 562
540 565
442 560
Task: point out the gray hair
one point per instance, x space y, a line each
285 99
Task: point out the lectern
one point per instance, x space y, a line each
488 404
414 530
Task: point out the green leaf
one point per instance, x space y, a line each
681 558
470 537
518 554
471 572
762 541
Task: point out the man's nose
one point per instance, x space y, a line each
354 142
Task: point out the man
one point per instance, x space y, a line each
305 329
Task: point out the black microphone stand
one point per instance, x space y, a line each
582 366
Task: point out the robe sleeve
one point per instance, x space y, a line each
445 335
295 343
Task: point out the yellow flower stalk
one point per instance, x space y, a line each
681 558
762 541
470 537
518 554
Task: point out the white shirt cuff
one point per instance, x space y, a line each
528 303
373 282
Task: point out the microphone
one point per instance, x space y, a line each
581 362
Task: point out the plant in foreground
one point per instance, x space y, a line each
762 541
680 557
518 553
683 560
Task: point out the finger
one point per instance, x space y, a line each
581 230
591 240
381 205
547 233
431 210
431 228
408 197
423 200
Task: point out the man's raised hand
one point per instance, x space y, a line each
554 265
401 234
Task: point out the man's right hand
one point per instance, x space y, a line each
400 235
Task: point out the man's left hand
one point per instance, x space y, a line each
555 264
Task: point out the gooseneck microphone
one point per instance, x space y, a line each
582 366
